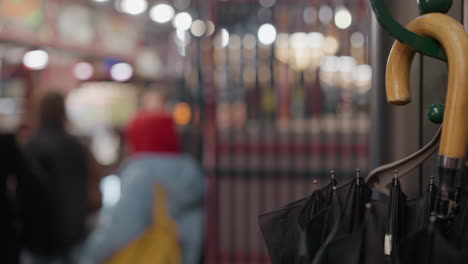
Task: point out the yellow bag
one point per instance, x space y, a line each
159 244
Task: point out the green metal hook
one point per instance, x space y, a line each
424 45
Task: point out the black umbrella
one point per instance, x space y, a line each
331 187
457 231
429 246
393 220
281 230
362 246
396 217
323 227
357 195
347 200
314 205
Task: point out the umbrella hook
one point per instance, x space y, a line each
422 44
454 39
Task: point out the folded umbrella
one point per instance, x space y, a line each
396 217
349 200
314 205
357 195
281 230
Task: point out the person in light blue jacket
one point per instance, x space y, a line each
155 159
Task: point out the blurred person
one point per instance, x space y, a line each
18 176
54 222
155 159
154 100
13 169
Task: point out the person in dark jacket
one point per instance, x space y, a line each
11 165
54 223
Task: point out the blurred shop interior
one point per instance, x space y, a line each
268 95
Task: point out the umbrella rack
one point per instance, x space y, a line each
341 223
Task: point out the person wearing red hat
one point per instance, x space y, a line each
155 158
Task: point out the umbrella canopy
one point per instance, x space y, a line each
357 195
314 205
393 219
346 200
363 246
311 230
429 246
457 231
281 232
281 229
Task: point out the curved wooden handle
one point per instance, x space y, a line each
454 39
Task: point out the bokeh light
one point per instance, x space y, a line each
162 13
330 45
182 114
83 71
133 7
198 28
110 187
315 40
325 14
343 18
363 73
235 43
346 64
182 21
121 72
210 27
363 77
357 39
36 59
310 15
249 41
267 34
224 37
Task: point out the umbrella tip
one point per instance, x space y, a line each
432 179
358 173
332 174
396 174
315 182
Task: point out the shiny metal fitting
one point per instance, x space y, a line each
450 163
